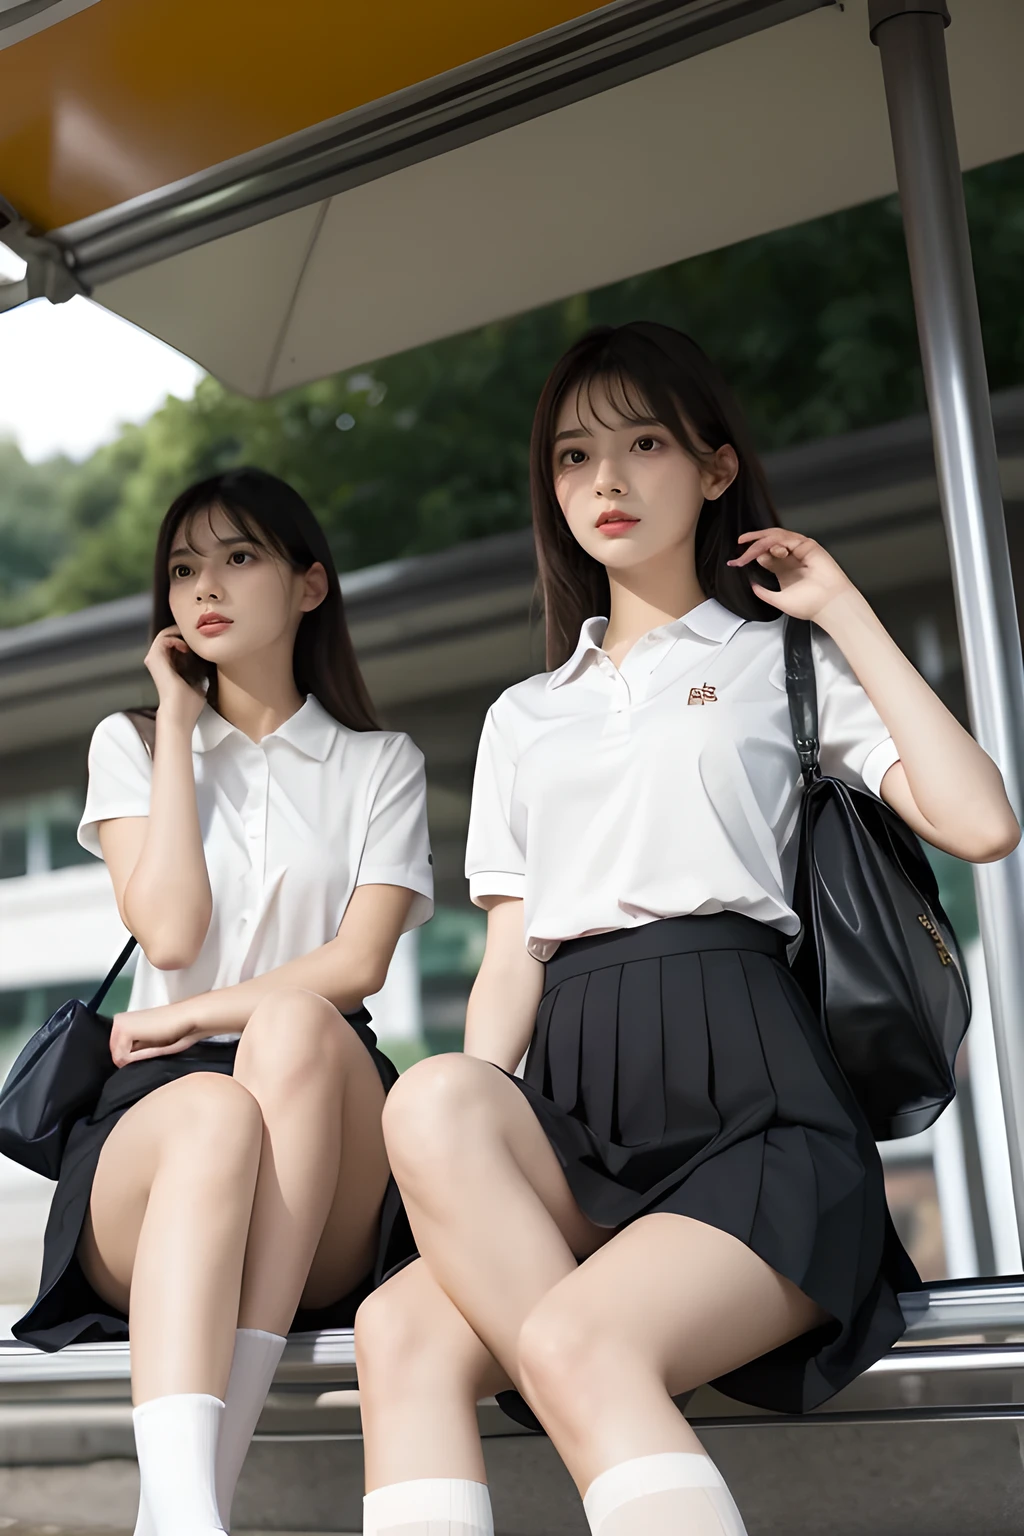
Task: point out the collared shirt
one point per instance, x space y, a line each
290 826
606 797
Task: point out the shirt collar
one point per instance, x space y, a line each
709 621
311 729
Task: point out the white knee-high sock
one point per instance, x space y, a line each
666 1495
256 1358
176 1442
429 1506
257 1355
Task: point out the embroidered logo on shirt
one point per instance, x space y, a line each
704 695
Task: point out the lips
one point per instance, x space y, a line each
213 624
613 521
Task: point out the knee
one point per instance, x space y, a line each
293 1038
217 1122
395 1346
566 1363
429 1112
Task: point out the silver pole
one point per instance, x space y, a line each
911 41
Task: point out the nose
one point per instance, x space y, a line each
609 480
206 589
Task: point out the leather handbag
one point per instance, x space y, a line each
878 957
57 1079
59 1075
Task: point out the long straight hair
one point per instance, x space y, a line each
648 372
275 517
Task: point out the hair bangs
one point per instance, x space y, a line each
627 381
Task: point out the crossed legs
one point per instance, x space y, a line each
598 1334
221 1202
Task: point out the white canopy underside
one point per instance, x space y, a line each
765 132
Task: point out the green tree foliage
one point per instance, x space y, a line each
814 326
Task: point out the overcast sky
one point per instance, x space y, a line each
70 374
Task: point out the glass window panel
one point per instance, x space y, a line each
65 849
13 851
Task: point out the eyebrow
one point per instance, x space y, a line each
581 431
241 538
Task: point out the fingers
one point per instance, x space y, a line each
765 544
148 1052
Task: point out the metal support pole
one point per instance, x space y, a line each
911 42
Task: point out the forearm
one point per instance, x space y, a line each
167 899
343 973
955 786
501 1011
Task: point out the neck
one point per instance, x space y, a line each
647 597
259 696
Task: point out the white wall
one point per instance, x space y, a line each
60 926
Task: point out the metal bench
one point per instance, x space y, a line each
925 1441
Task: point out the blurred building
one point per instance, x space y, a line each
439 637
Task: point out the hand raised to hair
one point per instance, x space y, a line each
809 579
178 697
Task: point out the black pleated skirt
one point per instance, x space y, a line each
67 1310
679 1067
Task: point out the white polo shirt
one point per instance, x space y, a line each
608 797
290 826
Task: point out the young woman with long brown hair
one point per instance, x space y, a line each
681 1188
267 858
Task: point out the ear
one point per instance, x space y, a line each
314 587
718 472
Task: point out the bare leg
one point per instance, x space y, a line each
323 1169
166 1232
492 1214
667 1305
422 1371
677 1301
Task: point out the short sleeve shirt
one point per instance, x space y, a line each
291 825
608 797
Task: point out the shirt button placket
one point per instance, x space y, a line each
256 833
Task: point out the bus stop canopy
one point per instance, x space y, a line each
285 191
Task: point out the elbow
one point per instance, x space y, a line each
171 947
172 951
996 843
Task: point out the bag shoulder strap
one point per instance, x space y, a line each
802 689
111 976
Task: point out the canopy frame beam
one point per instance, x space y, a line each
911 42
617 42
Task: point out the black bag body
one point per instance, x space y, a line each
57 1079
59 1075
878 957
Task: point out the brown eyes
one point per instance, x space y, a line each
645 444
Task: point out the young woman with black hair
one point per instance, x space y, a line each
681 1188
267 858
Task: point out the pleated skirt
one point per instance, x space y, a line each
67 1310
678 1067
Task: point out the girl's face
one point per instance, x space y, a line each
232 599
628 490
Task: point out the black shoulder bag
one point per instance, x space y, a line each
59 1076
57 1079
878 959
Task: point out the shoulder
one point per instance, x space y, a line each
523 700
115 738
382 750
